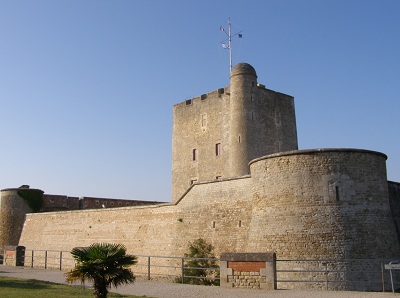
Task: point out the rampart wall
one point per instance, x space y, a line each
64 203
230 212
310 204
211 210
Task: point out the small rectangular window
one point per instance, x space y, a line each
188 102
337 193
194 154
218 149
203 120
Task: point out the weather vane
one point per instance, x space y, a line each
229 40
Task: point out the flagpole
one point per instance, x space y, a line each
229 44
229 34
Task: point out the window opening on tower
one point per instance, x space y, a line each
218 149
203 120
194 154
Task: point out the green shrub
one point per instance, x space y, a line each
198 269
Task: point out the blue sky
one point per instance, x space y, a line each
87 87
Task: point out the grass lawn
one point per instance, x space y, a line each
30 288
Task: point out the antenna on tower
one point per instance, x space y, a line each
229 40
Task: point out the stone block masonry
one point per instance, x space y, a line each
248 270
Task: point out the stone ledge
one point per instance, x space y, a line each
247 257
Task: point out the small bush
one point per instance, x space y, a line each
200 258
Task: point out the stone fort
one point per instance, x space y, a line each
239 182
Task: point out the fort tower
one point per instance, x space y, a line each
217 134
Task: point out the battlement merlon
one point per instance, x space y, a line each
219 92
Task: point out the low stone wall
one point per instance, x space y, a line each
248 270
14 255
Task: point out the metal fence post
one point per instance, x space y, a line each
383 278
183 269
60 260
391 279
32 258
148 267
326 275
45 259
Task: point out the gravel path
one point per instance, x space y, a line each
165 290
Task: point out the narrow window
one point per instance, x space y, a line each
203 120
194 153
218 149
240 223
337 192
239 139
213 224
252 115
251 97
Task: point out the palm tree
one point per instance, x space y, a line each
103 263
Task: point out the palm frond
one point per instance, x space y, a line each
105 264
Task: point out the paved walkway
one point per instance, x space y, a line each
166 290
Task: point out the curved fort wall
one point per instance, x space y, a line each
325 204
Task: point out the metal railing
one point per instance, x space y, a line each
49 259
328 274
332 274
152 266
173 267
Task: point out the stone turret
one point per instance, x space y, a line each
243 83
13 209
